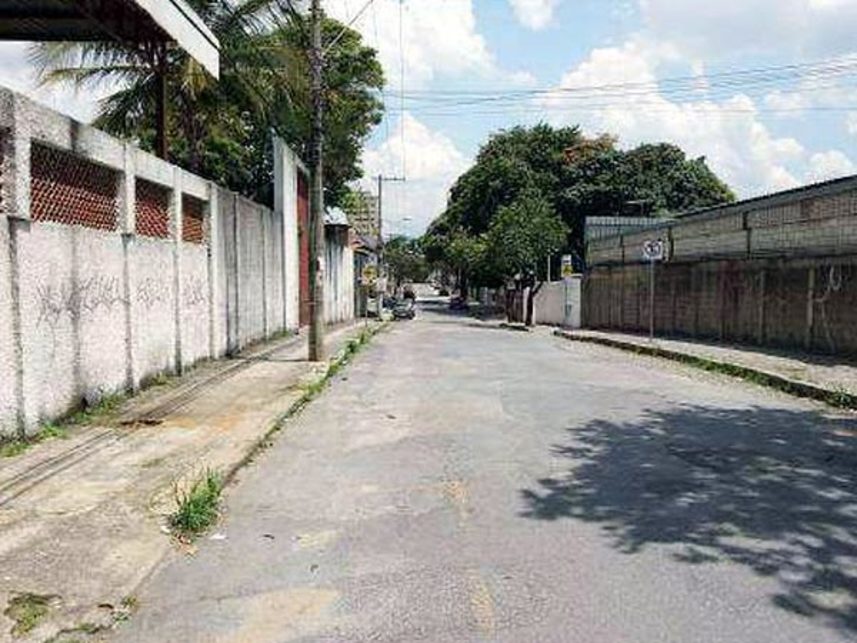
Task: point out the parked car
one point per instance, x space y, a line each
458 303
404 309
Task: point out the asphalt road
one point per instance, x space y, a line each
464 483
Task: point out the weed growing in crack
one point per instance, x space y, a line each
197 506
27 610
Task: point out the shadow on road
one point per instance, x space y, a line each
774 490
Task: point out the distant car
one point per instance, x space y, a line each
404 309
458 303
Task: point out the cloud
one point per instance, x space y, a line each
831 164
439 39
851 123
534 14
737 27
739 147
431 162
17 74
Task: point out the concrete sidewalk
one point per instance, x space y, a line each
82 519
826 378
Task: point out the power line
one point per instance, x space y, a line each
402 86
347 26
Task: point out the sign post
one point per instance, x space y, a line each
368 279
567 270
653 251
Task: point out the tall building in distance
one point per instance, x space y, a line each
363 214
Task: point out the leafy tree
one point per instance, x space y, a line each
520 238
577 177
222 128
406 260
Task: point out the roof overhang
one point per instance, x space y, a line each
129 21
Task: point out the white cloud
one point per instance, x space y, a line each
728 132
733 27
431 162
439 38
17 74
534 14
851 123
831 164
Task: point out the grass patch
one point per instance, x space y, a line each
197 506
27 610
11 448
105 406
16 446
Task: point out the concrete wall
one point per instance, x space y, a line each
551 300
338 276
89 308
779 271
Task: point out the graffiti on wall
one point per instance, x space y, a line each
77 298
194 292
153 292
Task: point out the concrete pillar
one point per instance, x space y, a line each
810 308
761 295
176 233
286 168
264 220
126 195
215 288
16 202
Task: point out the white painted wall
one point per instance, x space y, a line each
286 168
102 311
338 276
550 303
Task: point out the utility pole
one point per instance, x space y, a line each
316 227
379 300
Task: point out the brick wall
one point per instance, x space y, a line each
776 271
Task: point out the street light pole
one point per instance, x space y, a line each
316 227
379 299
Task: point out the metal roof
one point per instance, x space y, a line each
809 191
335 217
131 21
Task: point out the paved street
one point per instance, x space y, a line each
464 483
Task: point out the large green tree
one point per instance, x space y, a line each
405 260
519 240
222 128
577 176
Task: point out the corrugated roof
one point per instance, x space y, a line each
134 21
811 190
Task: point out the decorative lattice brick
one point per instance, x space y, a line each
193 220
152 207
68 189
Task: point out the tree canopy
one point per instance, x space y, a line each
574 177
222 128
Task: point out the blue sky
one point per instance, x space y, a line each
551 60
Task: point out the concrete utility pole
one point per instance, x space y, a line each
316 227
379 300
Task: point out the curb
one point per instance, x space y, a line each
835 398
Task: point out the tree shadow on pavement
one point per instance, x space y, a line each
774 490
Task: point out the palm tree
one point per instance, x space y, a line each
255 75
222 129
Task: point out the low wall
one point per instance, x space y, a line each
550 303
338 276
116 266
779 270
